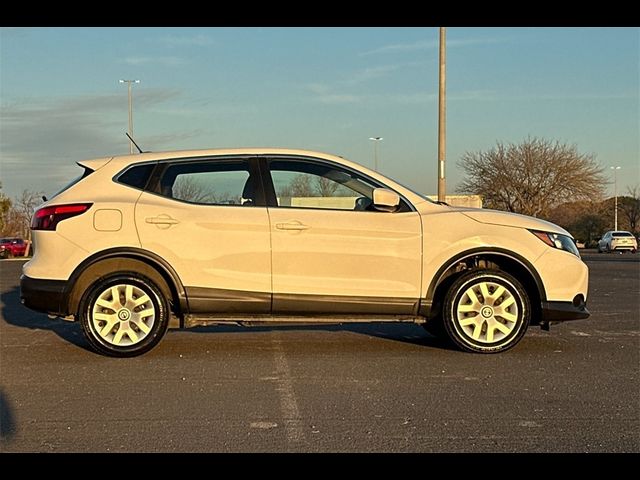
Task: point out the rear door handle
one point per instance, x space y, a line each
293 225
162 219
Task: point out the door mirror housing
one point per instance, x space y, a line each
385 200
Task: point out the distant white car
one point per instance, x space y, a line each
273 235
620 241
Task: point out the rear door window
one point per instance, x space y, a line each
210 183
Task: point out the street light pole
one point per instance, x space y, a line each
442 118
129 82
615 197
375 150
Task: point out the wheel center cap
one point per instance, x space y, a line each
124 314
486 312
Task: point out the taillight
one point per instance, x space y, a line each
47 218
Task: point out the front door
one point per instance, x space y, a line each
331 251
203 217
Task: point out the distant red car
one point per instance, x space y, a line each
12 247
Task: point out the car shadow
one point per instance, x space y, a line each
409 333
7 418
14 313
612 257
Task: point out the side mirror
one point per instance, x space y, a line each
385 200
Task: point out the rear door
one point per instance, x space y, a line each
207 218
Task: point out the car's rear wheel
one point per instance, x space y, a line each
124 315
486 311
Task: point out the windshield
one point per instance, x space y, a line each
421 195
622 234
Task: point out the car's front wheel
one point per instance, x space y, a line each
124 315
486 311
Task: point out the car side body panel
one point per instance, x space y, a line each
345 256
108 222
464 234
220 248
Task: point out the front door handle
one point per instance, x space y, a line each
163 220
293 225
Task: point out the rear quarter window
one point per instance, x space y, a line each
136 176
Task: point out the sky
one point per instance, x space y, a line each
323 89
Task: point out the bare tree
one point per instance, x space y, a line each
190 190
24 206
16 214
588 228
629 205
531 177
299 186
12 225
566 213
186 188
326 187
5 208
586 221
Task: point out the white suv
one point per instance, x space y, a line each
272 235
620 241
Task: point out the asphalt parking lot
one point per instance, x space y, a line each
354 388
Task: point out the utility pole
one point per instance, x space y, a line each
129 82
615 197
442 119
375 150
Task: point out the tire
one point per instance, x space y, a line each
127 316
476 318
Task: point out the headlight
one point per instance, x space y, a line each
555 240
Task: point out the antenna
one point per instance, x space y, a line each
134 142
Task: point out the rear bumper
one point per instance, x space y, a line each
563 311
43 295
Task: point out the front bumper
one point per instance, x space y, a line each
43 295
563 311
